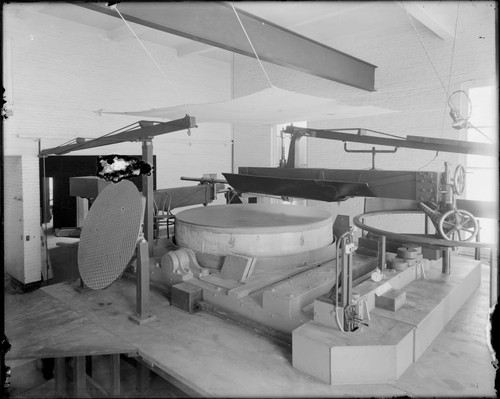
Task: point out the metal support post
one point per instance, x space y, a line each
494 276
381 252
142 314
477 251
349 281
345 281
147 191
300 152
346 288
446 261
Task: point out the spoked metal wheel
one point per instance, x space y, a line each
458 185
458 225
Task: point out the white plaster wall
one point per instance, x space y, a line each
405 81
59 72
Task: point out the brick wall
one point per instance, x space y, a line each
405 81
60 72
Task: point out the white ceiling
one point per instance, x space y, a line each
326 22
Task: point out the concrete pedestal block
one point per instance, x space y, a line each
432 302
381 352
376 354
391 300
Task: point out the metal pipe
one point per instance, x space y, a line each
477 252
381 252
204 179
147 191
417 239
446 261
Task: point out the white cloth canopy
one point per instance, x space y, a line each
269 106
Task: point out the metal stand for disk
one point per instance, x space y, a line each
143 314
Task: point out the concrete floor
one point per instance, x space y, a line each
457 364
466 336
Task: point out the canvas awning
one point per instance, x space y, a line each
266 107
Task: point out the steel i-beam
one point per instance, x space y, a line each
216 24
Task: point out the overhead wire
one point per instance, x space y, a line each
177 92
446 89
425 50
100 138
253 48
448 99
432 160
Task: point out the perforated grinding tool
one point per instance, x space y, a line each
109 234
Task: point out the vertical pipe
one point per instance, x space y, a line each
381 252
477 252
142 293
147 191
345 275
298 153
446 261
349 280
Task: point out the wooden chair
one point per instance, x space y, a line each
162 214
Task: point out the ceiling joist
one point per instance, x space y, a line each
422 13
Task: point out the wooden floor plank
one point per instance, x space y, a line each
211 356
40 326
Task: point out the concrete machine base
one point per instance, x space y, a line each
273 266
265 263
384 350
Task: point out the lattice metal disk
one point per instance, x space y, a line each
109 234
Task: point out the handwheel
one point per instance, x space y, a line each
458 185
459 223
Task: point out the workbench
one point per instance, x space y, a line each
205 355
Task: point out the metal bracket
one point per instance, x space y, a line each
373 151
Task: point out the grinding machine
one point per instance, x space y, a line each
355 309
350 307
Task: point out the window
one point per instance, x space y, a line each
482 171
283 144
281 148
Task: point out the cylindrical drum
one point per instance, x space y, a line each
254 229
